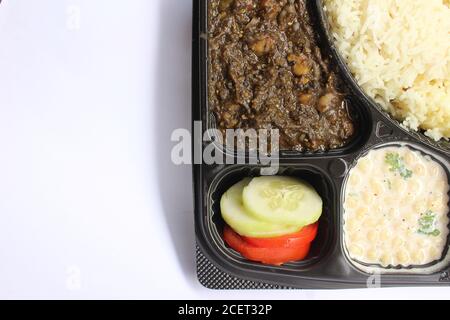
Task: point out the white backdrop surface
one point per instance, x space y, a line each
90 204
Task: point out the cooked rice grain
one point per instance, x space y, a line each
399 52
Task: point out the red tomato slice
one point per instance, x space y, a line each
270 256
305 235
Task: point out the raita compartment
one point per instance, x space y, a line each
433 267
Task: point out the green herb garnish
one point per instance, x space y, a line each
427 224
397 164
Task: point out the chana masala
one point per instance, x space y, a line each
267 71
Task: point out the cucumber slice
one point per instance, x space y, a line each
283 200
235 215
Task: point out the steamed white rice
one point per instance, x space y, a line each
399 52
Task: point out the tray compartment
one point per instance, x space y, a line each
439 265
326 235
442 145
360 114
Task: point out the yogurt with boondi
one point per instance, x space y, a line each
396 210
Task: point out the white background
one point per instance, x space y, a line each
90 205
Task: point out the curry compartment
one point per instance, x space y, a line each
440 166
278 74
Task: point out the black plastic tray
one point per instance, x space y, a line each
327 265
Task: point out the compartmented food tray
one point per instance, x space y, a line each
329 263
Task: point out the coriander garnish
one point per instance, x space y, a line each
427 224
397 164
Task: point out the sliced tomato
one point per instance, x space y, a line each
271 256
304 236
